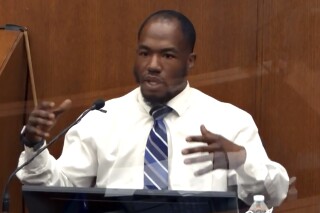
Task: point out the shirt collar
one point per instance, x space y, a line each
179 103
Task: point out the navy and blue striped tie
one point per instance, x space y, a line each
156 154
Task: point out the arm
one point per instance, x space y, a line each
77 165
249 167
37 129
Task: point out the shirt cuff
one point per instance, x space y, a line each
28 143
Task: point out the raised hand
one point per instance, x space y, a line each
223 153
43 118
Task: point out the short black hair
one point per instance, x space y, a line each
186 25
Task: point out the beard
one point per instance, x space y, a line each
152 99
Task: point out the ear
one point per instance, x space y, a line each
191 60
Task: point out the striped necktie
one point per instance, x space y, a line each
156 153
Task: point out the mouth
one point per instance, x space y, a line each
152 81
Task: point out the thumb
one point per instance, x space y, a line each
203 130
64 106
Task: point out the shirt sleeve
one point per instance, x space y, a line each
42 170
75 166
259 174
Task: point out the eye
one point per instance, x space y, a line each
142 53
168 56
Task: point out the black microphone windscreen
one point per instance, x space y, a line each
98 104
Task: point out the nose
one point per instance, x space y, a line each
154 64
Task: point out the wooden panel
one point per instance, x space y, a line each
310 205
8 41
259 55
13 75
290 88
226 47
85 49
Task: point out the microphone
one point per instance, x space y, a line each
97 105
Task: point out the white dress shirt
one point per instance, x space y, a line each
107 149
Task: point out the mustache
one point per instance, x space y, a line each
146 76
153 78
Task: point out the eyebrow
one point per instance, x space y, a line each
169 49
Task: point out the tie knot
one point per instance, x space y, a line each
159 112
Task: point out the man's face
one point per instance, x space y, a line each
163 60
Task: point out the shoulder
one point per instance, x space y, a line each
129 97
212 106
114 110
124 102
115 106
220 117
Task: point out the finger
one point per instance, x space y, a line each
208 138
205 137
46 105
199 159
210 135
36 121
41 113
212 148
195 138
204 170
36 134
64 106
33 133
203 130
205 133
43 110
218 159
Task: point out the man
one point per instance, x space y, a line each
207 145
